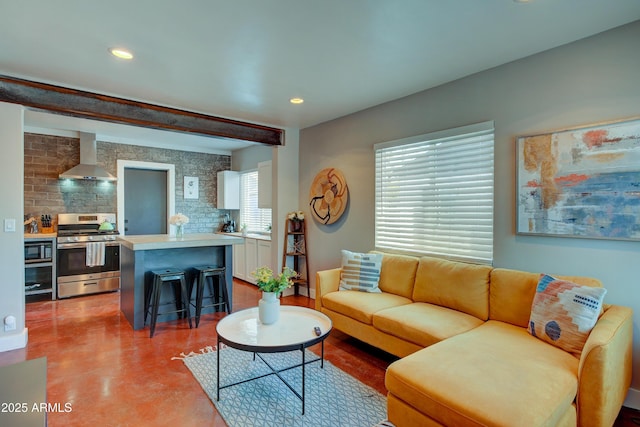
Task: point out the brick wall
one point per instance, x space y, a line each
46 156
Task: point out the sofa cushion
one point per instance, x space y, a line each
398 274
457 285
563 313
361 305
512 292
424 324
360 272
496 374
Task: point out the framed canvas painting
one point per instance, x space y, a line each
582 182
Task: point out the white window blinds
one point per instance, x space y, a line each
257 220
434 194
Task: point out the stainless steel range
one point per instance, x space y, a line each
88 254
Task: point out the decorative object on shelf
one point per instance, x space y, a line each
580 182
191 187
328 196
296 219
179 220
271 286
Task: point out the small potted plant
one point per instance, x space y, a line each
179 220
271 286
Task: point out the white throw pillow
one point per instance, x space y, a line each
360 272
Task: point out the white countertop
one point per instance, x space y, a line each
166 241
256 236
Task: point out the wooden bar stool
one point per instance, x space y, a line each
218 289
171 276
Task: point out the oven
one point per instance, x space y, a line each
80 236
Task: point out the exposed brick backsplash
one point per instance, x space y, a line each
46 156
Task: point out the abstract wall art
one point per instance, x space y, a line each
328 196
582 182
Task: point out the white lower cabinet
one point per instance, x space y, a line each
264 254
248 257
239 263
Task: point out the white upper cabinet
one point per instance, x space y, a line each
264 184
228 190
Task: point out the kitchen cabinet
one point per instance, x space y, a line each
228 190
250 258
239 269
264 253
40 276
264 184
254 253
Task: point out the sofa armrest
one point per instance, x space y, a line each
604 373
326 281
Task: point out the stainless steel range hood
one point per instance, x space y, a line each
88 168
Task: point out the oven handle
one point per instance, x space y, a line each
82 245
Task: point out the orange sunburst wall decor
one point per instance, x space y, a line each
328 196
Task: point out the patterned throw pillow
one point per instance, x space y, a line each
360 272
563 313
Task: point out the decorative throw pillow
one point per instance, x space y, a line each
563 313
360 272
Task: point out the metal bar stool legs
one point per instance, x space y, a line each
202 274
160 277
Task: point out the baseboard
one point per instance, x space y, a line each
290 291
633 399
14 341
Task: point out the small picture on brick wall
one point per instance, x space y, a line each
190 187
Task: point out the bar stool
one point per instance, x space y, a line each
218 294
153 297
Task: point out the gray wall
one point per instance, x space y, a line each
589 81
11 244
248 158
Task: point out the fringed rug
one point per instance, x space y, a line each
333 398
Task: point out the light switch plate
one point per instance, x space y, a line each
9 225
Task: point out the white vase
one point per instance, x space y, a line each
179 231
269 308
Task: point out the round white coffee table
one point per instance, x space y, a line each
294 330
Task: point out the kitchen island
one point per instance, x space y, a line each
141 254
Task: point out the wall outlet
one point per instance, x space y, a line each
9 323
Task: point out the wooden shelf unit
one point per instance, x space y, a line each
295 254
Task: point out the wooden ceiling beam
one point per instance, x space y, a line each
90 105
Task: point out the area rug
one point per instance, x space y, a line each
333 397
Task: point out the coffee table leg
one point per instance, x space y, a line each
322 356
303 369
218 372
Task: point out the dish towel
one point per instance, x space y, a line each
95 254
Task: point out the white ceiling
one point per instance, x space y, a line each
244 59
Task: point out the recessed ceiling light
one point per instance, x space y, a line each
121 53
523 1
296 100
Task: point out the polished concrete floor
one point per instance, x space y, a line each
114 376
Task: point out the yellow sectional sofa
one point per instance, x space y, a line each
467 358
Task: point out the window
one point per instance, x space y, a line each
257 220
434 194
